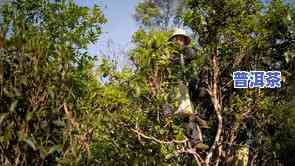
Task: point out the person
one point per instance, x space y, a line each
186 109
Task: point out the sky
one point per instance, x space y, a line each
120 26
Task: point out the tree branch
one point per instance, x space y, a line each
215 97
157 140
193 152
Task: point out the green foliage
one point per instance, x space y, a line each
152 51
248 35
45 75
54 110
146 11
241 34
160 14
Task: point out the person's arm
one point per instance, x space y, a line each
189 54
175 59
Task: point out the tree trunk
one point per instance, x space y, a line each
214 91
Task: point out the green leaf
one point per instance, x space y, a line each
29 116
30 143
2 117
13 106
54 149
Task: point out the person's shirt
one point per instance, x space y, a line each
183 71
188 53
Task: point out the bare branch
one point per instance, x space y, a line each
157 140
239 58
193 152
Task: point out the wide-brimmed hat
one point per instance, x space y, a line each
181 32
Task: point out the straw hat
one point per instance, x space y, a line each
181 32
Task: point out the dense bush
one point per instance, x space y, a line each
45 76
